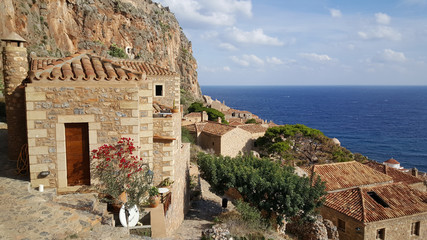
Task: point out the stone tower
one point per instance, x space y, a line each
15 70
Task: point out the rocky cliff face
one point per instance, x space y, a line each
149 31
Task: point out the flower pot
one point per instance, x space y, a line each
154 201
175 110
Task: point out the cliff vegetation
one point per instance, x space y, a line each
139 29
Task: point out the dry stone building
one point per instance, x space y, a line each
367 204
64 108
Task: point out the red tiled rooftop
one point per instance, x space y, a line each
193 114
80 67
397 175
149 69
358 204
392 161
217 129
253 128
347 175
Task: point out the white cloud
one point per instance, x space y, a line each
316 57
248 60
209 35
228 46
382 18
275 61
198 13
215 69
380 32
256 36
335 13
389 55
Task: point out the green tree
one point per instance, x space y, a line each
263 183
300 144
249 121
213 114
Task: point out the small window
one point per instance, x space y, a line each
341 225
380 233
415 228
159 90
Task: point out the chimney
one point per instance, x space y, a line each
414 172
385 169
15 70
204 116
219 120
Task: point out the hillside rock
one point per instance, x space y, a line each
62 27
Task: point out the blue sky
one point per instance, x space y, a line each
306 42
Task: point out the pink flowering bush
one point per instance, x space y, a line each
119 170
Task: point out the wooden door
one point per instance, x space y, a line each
77 150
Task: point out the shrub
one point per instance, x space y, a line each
116 51
186 136
249 121
119 170
264 184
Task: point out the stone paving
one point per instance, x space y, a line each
29 214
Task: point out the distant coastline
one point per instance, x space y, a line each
380 122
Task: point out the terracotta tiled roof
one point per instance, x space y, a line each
400 200
217 129
80 67
191 128
149 69
392 161
235 123
397 175
253 128
193 114
347 175
200 126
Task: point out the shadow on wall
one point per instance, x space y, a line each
2 110
8 167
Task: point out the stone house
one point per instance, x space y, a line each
233 113
221 139
366 204
64 108
195 117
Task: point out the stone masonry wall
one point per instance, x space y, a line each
235 141
111 112
395 228
180 190
166 152
146 121
350 232
210 142
15 71
398 228
171 90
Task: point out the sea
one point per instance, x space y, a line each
380 122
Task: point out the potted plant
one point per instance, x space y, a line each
154 197
175 109
167 182
123 177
